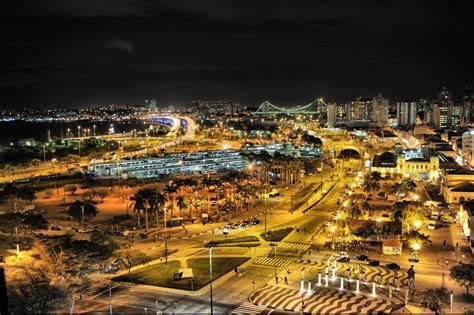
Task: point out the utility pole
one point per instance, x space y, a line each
265 209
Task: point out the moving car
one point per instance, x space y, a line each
392 266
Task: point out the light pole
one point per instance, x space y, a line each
225 231
210 277
82 220
265 209
165 236
451 301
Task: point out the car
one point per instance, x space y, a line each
55 228
431 225
374 263
361 258
413 259
340 255
143 235
392 266
118 233
345 259
256 221
329 223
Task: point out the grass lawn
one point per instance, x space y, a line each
276 235
162 275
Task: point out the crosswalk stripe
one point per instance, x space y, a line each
276 262
248 308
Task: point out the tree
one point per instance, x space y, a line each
463 274
71 158
102 193
36 222
35 162
435 299
26 193
170 190
35 295
181 203
131 258
71 188
76 208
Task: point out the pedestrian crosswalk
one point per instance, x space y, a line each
294 246
273 262
322 300
248 308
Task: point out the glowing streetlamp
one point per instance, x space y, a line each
417 224
415 197
416 246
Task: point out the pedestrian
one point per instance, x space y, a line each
457 244
286 280
444 243
276 280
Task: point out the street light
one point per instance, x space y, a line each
225 231
210 277
417 224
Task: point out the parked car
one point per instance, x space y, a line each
374 263
340 255
256 221
392 266
345 259
55 228
431 225
362 258
118 233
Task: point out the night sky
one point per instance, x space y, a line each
92 52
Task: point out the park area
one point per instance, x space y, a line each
161 274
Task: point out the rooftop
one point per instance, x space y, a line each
464 187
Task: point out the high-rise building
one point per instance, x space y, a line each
406 113
444 96
380 110
359 109
468 104
331 112
468 148
443 114
152 104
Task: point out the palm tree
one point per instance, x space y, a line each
398 189
181 203
370 185
170 190
138 206
195 203
27 193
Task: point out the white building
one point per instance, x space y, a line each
406 113
331 111
380 110
468 148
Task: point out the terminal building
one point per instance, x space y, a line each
180 163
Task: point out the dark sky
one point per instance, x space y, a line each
92 52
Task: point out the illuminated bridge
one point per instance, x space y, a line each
314 108
176 123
